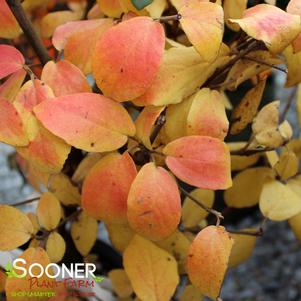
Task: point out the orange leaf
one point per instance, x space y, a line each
203 23
200 161
11 126
12 85
9 28
87 121
208 259
270 24
154 213
64 78
11 60
126 64
106 188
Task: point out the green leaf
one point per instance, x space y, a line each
140 4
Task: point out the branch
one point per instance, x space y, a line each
158 126
25 201
29 31
218 215
258 232
176 17
288 104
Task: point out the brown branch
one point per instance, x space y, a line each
176 17
29 31
28 201
288 104
158 126
258 232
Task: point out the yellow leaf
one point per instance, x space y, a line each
250 180
192 213
278 201
49 211
246 110
35 222
121 283
15 228
242 248
208 260
61 186
191 293
151 270
295 224
176 244
298 103
156 8
272 157
288 165
84 233
234 9
293 61
120 235
203 23
55 247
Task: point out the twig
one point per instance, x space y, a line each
25 201
218 215
72 216
29 31
158 126
90 4
264 63
288 104
258 232
176 17
249 152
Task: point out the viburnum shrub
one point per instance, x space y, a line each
117 111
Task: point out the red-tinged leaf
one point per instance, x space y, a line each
46 152
11 60
106 188
200 161
294 8
87 121
270 24
203 23
145 124
64 78
12 85
9 28
126 64
154 203
73 35
11 126
208 260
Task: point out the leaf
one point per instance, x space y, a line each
294 8
156 8
145 123
250 180
191 293
106 188
55 247
10 88
293 61
208 259
11 60
34 220
207 115
18 286
181 73
288 165
245 111
234 9
200 161
154 213
15 133
2 281
270 24
49 211
52 20
15 227
120 235
140 4
151 270
295 224
72 35
110 8
9 26
115 67
87 121
203 23
61 186
84 233
177 245
64 78
192 214
242 248
121 283
278 201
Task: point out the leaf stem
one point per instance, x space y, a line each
29 31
